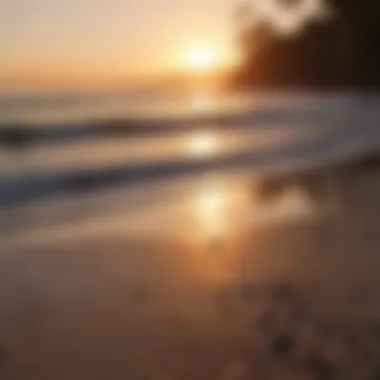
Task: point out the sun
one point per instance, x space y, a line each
201 58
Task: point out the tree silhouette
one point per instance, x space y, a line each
343 50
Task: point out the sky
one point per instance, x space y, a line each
79 40
109 37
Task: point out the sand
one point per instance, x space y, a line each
296 300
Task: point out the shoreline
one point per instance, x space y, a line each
297 300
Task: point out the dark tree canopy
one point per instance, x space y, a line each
341 51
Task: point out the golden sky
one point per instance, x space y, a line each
87 39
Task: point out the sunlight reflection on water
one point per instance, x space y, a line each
202 103
203 144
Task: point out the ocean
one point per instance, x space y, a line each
74 157
163 236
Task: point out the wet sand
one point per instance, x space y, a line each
294 300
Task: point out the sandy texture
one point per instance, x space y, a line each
299 300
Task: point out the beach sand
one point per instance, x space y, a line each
295 300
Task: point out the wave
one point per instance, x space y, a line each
18 135
326 149
351 124
64 99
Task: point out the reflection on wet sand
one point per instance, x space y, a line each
279 302
211 204
223 207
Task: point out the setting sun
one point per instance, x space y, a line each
201 58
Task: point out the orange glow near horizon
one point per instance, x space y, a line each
205 57
179 60
127 41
